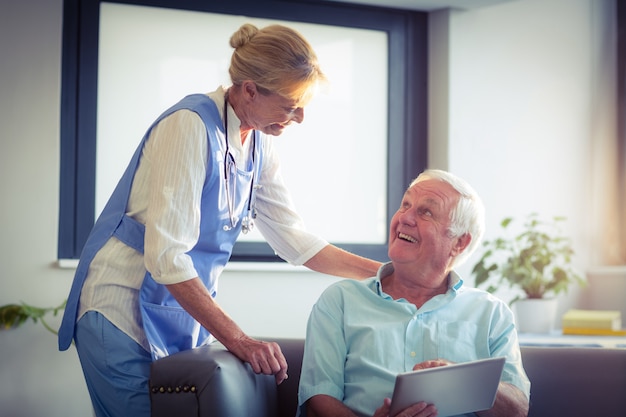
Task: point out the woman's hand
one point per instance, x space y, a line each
264 357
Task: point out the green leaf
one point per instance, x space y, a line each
14 315
536 261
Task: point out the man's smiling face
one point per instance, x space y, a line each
419 229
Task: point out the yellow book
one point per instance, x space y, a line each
593 332
593 319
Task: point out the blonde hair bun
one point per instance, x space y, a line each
277 59
243 35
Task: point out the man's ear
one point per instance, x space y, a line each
462 242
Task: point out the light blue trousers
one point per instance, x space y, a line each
116 368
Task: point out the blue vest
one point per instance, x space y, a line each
168 327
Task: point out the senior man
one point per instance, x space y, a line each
415 313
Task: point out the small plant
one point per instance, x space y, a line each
14 315
537 261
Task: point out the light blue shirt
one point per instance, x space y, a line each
359 338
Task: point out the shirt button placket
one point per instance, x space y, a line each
412 339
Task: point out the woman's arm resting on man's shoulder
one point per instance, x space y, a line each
335 261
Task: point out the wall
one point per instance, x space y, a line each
35 379
518 105
517 111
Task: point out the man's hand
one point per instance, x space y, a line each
326 406
420 409
433 363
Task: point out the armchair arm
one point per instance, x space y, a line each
209 381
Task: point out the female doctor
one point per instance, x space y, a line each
205 171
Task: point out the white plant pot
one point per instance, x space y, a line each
536 315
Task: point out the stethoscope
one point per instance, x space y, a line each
247 224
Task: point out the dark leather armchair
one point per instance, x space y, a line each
210 381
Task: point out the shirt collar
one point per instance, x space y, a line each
383 271
454 280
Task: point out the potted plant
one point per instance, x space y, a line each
14 315
537 263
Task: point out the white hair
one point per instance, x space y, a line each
467 217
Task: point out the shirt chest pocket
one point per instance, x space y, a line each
455 341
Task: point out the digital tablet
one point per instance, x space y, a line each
454 389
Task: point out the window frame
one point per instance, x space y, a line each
407 132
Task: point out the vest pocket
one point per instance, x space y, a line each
170 329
